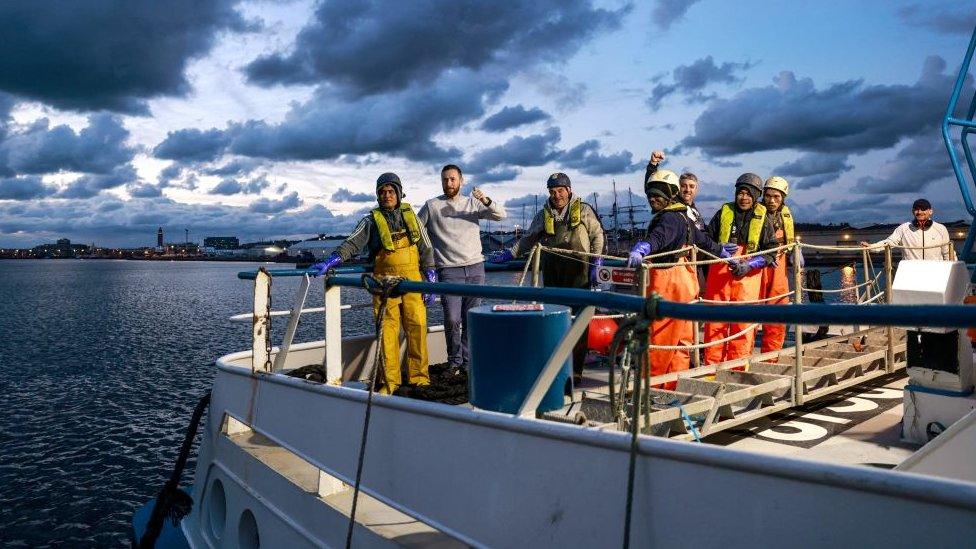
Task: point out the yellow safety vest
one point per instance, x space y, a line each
409 219
755 225
575 209
788 224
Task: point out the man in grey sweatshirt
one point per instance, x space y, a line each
451 220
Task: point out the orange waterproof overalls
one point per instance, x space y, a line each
678 284
775 280
721 285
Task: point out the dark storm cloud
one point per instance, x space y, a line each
387 45
106 54
498 163
24 188
271 206
527 200
513 117
238 166
666 12
192 145
38 149
848 117
691 81
814 170
90 185
914 167
399 123
957 19
232 186
143 190
345 195
586 158
534 150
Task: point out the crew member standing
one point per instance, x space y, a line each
398 245
451 220
921 237
775 276
741 223
670 229
568 223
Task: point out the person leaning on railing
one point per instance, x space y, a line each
565 222
921 237
775 282
671 230
399 246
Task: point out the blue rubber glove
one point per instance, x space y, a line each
594 267
431 276
503 256
730 248
742 268
637 253
725 253
323 267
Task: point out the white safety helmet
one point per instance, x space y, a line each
663 183
777 183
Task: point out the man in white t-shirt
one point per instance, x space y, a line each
922 238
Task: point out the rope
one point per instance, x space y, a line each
641 329
172 502
723 260
689 424
872 299
706 344
851 288
384 288
746 302
525 269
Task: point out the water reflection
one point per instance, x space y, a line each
848 279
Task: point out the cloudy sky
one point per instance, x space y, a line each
273 118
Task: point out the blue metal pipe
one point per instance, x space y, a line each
275 273
950 120
954 316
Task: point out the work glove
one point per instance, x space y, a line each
431 276
637 253
789 260
725 253
594 267
742 268
730 249
503 256
323 267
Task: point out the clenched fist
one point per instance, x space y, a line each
477 194
657 157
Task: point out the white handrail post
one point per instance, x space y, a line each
333 334
535 265
261 323
798 299
296 313
890 330
555 362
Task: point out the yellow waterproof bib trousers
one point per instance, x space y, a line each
407 310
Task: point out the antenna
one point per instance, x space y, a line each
616 221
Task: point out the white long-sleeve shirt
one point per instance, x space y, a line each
452 224
912 236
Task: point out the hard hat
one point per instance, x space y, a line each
778 183
390 178
751 182
558 179
663 183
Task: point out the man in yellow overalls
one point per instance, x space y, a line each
399 246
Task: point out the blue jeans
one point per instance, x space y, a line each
456 311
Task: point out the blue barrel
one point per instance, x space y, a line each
509 350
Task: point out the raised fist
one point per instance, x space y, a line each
657 157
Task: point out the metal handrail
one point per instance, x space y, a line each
950 120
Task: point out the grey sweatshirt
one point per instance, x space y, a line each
452 224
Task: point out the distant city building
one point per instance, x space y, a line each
222 242
159 238
62 248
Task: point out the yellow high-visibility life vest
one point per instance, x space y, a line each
575 216
409 220
727 218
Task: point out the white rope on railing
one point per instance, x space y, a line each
872 299
707 344
851 288
746 302
525 269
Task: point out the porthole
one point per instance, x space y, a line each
217 509
247 531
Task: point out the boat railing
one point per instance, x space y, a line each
264 360
967 125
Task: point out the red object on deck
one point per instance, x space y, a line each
970 299
601 334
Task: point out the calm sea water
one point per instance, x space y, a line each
101 363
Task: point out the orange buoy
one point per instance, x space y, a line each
600 334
